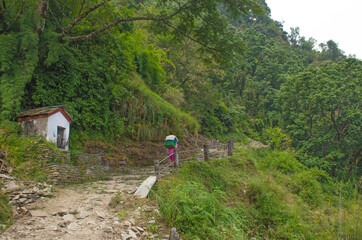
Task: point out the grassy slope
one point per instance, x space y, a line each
256 194
174 120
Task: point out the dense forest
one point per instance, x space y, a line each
139 70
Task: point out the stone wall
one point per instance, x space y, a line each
60 174
79 167
37 126
51 155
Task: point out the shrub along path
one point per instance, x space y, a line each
98 210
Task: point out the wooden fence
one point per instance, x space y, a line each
215 150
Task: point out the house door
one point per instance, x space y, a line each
61 137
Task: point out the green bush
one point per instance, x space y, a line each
306 185
284 162
274 218
198 213
277 139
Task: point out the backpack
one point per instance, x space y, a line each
170 141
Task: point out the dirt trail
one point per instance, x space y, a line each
83 212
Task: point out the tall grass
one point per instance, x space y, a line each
200 214
257 194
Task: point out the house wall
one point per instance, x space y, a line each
54 121
37 126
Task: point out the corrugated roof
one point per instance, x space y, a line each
44 111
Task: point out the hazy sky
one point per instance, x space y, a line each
323 20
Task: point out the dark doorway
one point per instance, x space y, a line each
61 138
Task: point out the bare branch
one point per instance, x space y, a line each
42 11
55 19
87 36
208 22
81 17
81 8
16 17
90 35
178 3
181 9
189 37
186 6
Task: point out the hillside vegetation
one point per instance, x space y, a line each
141 70
258 194
135 71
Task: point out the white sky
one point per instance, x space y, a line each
323 20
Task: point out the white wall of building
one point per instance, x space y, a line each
54 121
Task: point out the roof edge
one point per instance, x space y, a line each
60 108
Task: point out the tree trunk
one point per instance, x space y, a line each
41 11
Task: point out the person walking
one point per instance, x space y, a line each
171 144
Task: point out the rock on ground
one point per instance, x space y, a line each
145 187
83 212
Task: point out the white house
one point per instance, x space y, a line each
51 122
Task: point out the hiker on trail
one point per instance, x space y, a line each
171 144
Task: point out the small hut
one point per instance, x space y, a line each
52 122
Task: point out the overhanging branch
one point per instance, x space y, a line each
182 8
189 37
81 17
191 4
87 36
90 35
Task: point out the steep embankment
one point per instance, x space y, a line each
99 210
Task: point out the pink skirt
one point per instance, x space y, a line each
170 151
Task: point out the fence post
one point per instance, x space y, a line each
206 153
176 163
157 170
231 146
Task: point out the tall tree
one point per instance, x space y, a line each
330 51
29 28
321 110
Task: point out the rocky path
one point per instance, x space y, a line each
99 210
